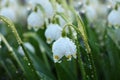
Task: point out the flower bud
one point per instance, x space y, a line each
9 13
114 18
35 20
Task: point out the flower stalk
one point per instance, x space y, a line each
12 27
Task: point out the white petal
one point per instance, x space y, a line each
114 17
53 32
35 20
9 13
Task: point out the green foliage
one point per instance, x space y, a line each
98 54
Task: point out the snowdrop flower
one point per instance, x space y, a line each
35 20
9 13
63 47
28 46
90 13
48 9
4 3
60 9
114 18
53 32
47 6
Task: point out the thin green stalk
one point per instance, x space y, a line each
57 71
78 51
11 50
5 67
81 65
35 36
89 54
12 27
6 43
81 30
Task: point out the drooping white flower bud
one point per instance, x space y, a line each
28 46
35 20
9 13
63 47
114 18
53 32
48 9
47 6
60 9
90 13
3 3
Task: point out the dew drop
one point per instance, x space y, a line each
32 70
88 59
13 31
16 72
28 64
8 25
90 66
25 58
87 76
92 76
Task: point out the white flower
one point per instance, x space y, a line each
9 13
47 6
114 18
48 9
35 20
63 47
60 9
4 3
90 13
53 32
28 46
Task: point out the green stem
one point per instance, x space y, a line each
35 36
11 50
12 27
81 65
82 32
78 49
89 54
6 69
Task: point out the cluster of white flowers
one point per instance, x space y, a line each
12 10
37 17
63 46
